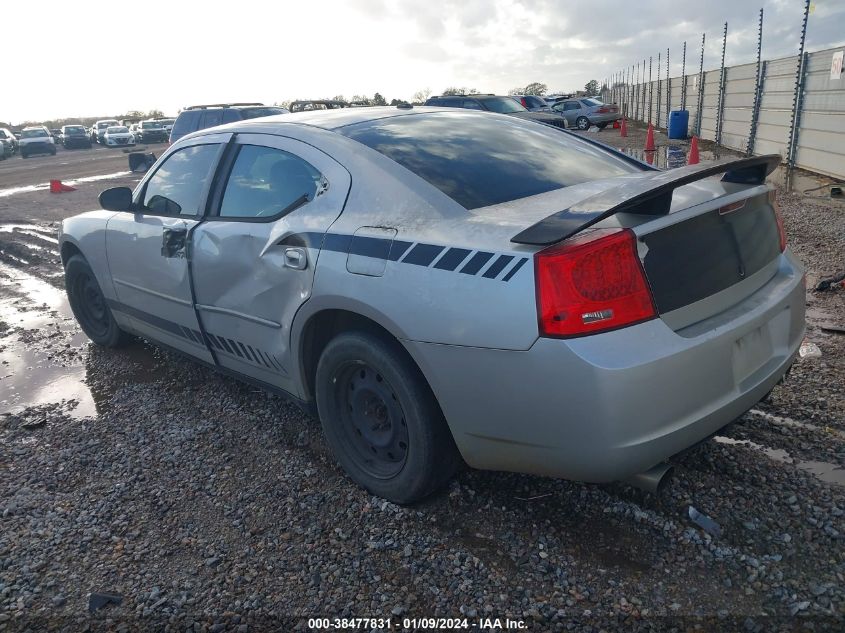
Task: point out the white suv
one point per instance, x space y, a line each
36 140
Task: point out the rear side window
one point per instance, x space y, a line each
185 124
480 161
266 183
176 187
254 113
210 118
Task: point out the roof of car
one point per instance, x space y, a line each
333 119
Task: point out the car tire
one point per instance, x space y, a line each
24 155
89 306
601 126
381 419
53 152
582 123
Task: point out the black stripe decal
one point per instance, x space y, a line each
417 254
515 269
336 242
243 348
226 345
162 324
422 254
397 249
235 348
452 258
476 263
370 246
186 332
497 267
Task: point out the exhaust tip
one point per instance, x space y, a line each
652 480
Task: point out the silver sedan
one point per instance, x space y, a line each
442 286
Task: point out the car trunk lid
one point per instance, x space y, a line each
705 244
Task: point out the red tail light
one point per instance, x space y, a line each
524 102
591 284
603 110
781 232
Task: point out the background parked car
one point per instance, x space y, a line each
532 103
118 135
10 139
36 140
75 136
98 130
167 124
495 103
587 111
201 117
149 132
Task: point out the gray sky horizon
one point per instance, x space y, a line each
277 51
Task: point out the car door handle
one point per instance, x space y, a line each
296 258
173 242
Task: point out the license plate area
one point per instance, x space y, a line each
751 352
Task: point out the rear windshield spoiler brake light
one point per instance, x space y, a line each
650 195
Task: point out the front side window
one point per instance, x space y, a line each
176 187
268 183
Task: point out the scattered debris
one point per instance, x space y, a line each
838 329
831 283
97 600
809 349
543 496
704 522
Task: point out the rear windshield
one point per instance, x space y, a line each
151 124
591 102
33 133
74 129
502 105
254 113
480 160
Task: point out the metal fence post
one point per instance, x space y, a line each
643 91
721 103
755 115
700 90
684 78
659 65
650 89
668 90
755 111
798 96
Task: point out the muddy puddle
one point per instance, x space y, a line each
44 354
825 471
46 185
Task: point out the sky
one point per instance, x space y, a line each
98 57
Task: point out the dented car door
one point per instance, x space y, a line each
255 255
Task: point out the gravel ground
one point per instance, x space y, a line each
210 506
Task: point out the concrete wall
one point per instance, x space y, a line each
821 132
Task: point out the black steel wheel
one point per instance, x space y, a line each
89 306
381 419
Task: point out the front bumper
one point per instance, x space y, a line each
120 142
153 137
603 407
37 148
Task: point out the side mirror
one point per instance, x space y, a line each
116 199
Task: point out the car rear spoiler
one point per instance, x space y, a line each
650 195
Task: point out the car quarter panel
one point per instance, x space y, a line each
446 278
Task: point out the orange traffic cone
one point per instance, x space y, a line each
649 139
692 157
57 186
649 158
624 129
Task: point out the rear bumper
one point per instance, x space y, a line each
610 117
603 407
83 142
